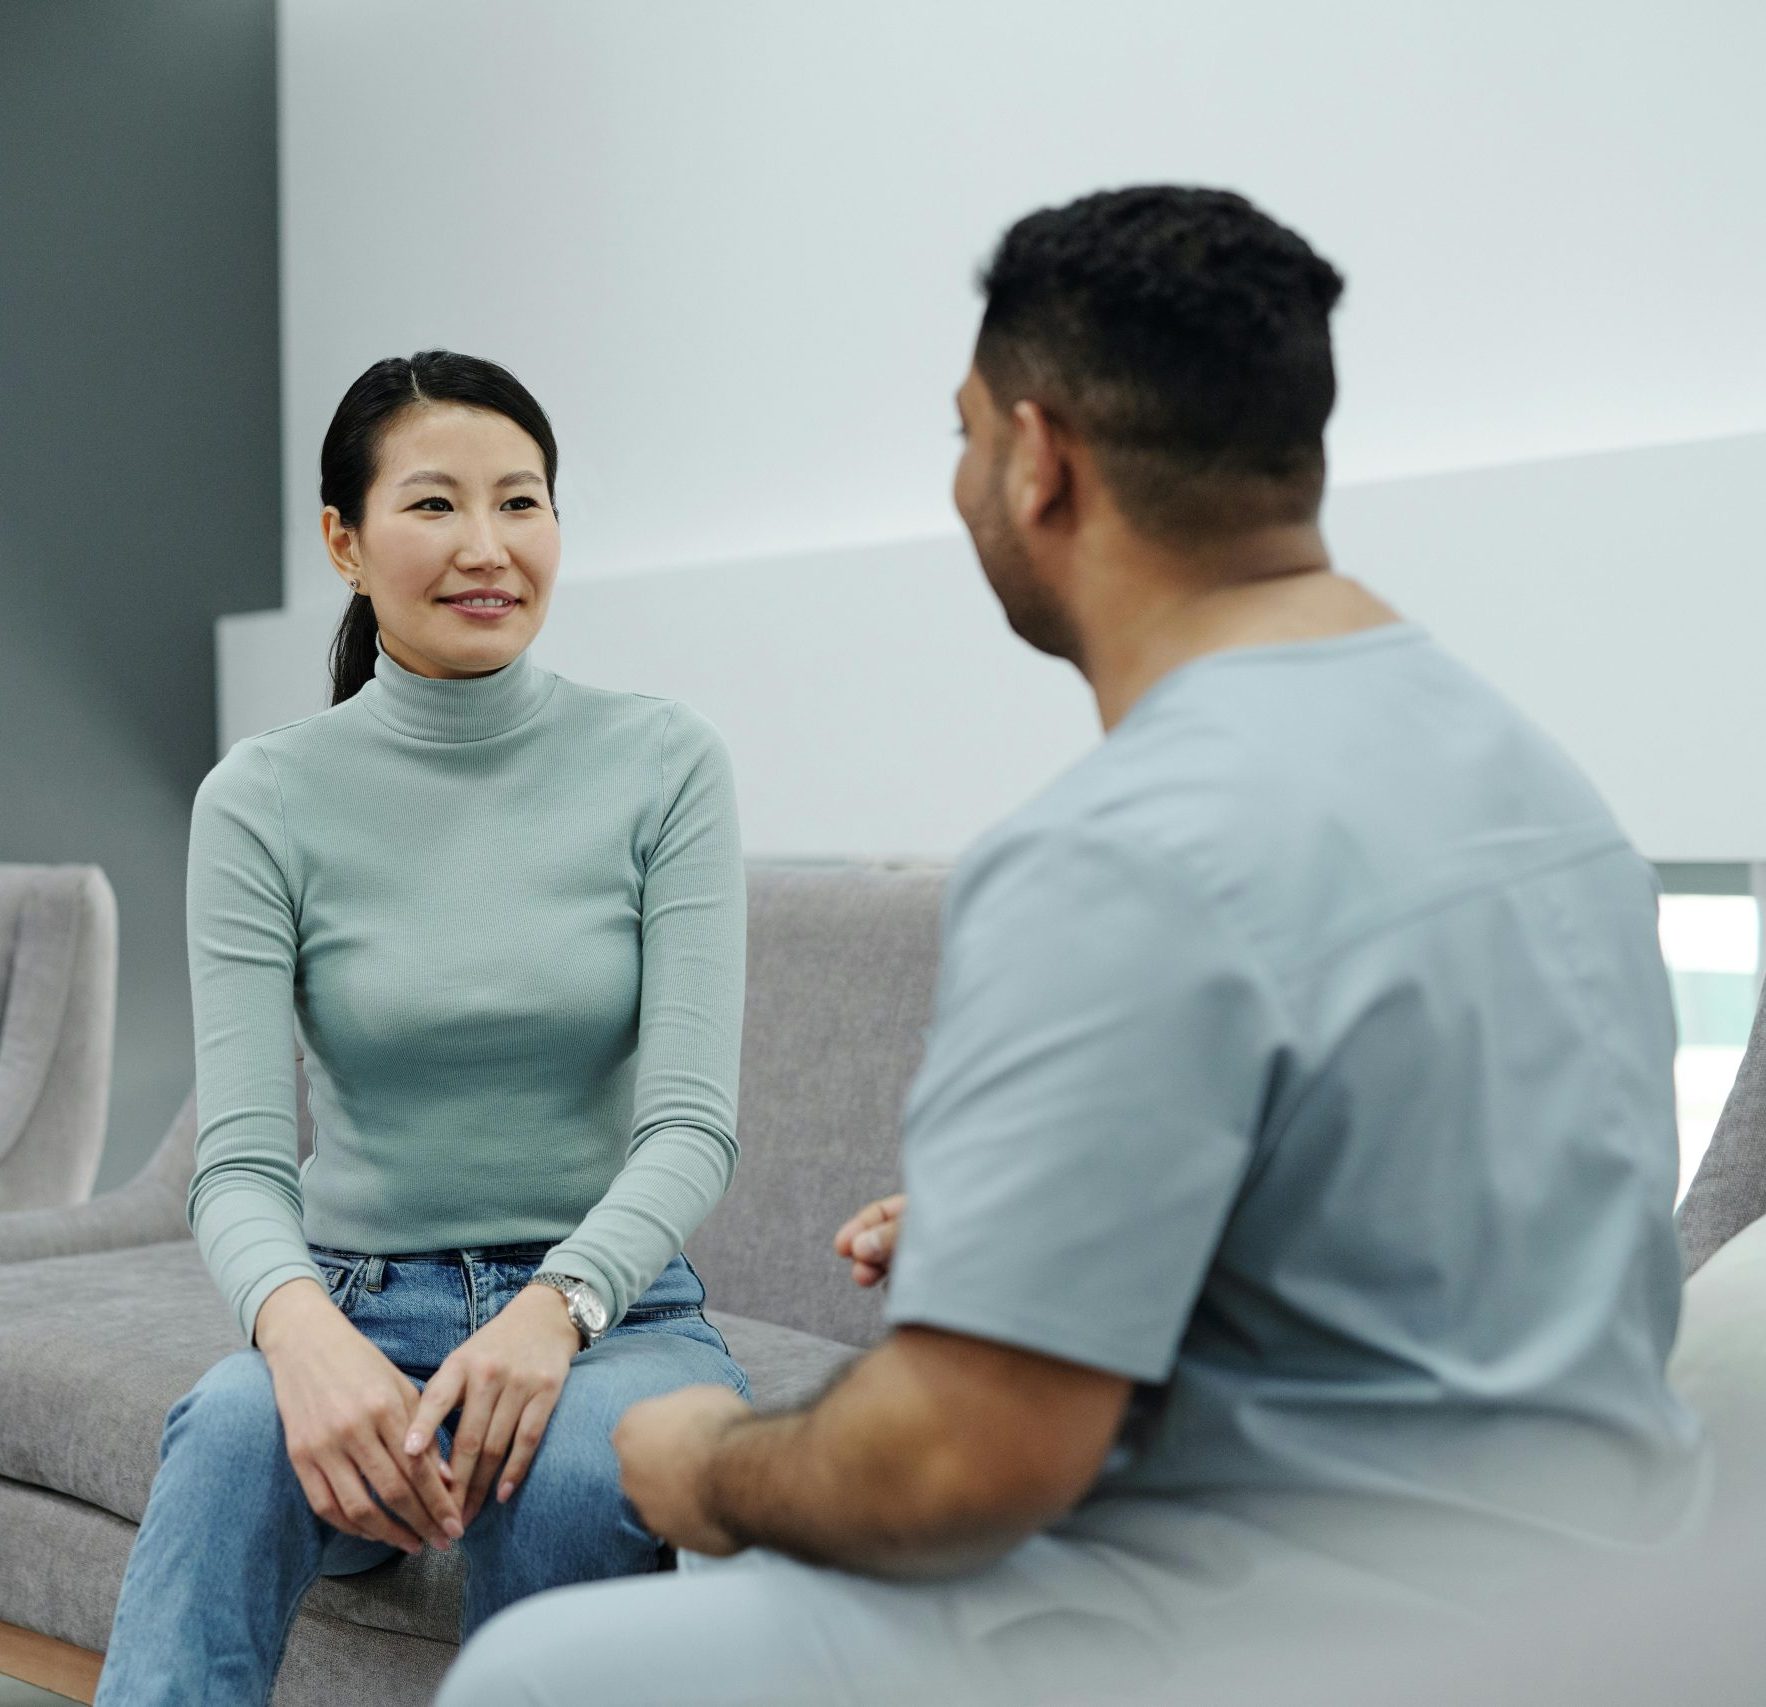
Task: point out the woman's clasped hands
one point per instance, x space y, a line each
505 1381
356 1426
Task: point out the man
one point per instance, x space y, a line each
1289 1174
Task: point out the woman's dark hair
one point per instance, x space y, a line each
350 456
1184 335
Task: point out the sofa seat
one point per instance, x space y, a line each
96 1348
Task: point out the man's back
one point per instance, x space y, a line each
1346 1125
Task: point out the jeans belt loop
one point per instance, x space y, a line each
373 1273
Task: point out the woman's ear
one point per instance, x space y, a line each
340 544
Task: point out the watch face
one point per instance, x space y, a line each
591 1309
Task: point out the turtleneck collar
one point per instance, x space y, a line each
466 708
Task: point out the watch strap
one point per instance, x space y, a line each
569 1285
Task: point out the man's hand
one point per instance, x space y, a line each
506 1380
665 1448
868 1239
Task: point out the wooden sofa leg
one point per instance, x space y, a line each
57 1666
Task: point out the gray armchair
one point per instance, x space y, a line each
149 1210
58 977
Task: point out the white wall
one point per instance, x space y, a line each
731 247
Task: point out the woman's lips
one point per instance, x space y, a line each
482 613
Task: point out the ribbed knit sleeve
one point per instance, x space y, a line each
694 940
244 1204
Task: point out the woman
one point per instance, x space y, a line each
507 912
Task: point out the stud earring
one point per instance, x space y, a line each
355 586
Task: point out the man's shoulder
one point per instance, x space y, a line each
1157 796
1285 797
1088 836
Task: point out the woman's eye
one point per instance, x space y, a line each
424 503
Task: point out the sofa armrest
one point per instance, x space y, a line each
116 1220
149 1210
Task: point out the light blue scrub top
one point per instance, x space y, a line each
1305 1054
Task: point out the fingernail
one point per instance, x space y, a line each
865 1244
452 1526
505 1491
413 1441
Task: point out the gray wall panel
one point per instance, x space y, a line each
139 461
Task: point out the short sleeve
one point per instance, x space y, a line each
1087 1108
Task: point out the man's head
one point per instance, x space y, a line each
1161 355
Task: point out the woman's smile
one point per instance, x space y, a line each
481 612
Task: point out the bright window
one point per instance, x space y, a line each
1711 943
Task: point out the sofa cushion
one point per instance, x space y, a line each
842 967
94 1350
61 1563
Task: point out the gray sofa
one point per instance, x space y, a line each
107 1313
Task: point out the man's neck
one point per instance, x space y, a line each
1269 588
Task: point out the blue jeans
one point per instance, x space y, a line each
228 1544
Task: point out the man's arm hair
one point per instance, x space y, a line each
929 1455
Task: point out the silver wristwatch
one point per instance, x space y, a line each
587 1310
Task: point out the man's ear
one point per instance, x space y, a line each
1039 477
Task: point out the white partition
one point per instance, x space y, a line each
876 703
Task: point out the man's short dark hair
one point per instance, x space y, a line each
1184 336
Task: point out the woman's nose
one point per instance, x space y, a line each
483 545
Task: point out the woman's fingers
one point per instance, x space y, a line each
321 1497
498 1435
352 1502
469 1441
426 1468
387 1471
529 1432
432 1479
439 1397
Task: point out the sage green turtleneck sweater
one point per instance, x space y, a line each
507 916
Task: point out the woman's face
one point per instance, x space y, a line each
458 506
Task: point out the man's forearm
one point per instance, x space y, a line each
859 1480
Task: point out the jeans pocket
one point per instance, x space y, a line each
646 1315
689 1321
340 1274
